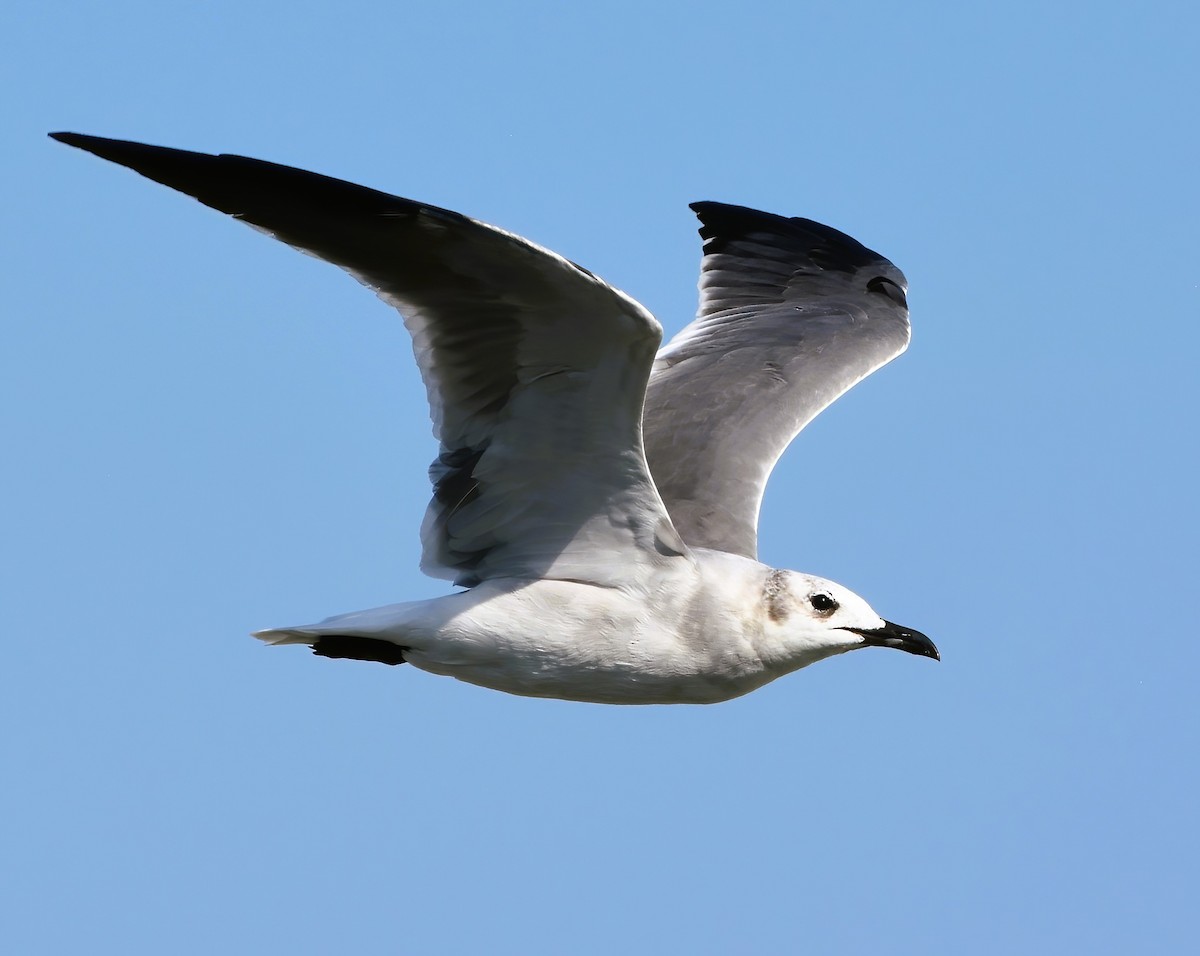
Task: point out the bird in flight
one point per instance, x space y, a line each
595 497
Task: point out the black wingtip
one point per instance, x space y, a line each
230 184
729 220
722 225
263 193
160 163
93 144
78 140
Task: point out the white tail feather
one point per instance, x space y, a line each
287 635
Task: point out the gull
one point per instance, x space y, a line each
595 498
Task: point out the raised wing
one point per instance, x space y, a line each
535 368
792 314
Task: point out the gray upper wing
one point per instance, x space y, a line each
792 314
535 368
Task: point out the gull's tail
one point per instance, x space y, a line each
374 635
288 635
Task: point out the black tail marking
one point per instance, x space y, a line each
359 649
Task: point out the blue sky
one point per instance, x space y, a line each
208 434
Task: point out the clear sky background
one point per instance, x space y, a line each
206 433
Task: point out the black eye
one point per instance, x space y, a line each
823 603
887 287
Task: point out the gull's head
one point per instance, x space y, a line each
809 618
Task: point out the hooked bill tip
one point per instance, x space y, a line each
901 638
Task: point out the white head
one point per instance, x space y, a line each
808 618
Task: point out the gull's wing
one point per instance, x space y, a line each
792 314
536 369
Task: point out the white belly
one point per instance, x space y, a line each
580 642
